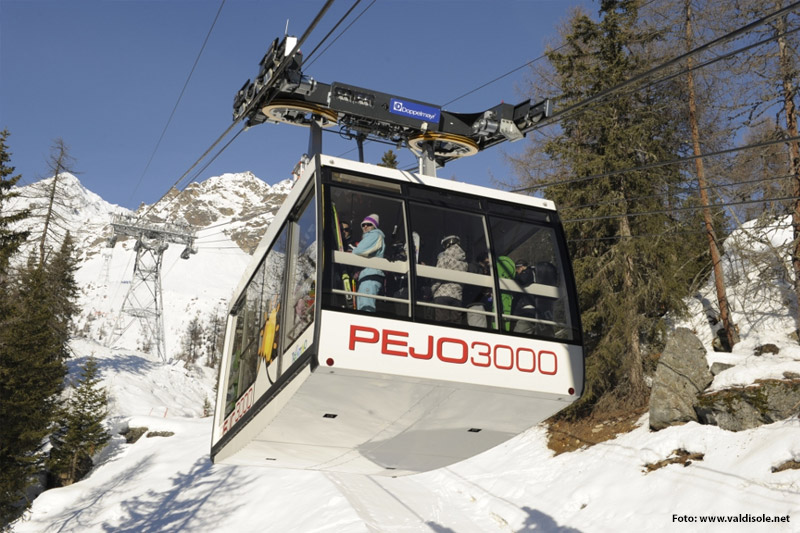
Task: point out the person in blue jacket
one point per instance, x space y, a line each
372 244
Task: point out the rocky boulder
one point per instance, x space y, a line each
682 373
740 408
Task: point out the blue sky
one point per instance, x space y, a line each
105 75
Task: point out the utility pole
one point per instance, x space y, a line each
143 301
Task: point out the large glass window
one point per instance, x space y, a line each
303 272
257 319
368 241
456 260
533 294
454 275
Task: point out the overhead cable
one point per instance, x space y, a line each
657 164
678 59
309 56
276 75
681 208
177 103
679 191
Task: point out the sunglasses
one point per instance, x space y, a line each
366 225
345 228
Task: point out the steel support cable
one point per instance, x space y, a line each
640 236
715 42
177 103
197 174
285 62
231 221
691 53
657 164
278 71
215 241
688 190
342 19
665 234
720 40
727 55
220 232
512 71
716 59
674 209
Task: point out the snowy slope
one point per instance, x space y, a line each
168 483
76 209
229 212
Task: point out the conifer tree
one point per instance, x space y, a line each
18 438
32 371
628 266
192 342
33 350
388 160
80 432
10 240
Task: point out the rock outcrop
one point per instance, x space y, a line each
681 375
736 409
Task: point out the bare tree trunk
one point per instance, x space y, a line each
794 151
47 218
638 389
58 163
731 333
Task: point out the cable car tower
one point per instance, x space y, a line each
143 302
390 355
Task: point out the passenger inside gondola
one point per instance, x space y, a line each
448 293
359 265
476 298
372 244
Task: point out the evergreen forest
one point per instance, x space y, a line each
674 121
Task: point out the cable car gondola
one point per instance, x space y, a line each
426 352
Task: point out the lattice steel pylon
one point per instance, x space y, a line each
143 301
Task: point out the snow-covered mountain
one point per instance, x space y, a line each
75 209
238 206
229 213
167 483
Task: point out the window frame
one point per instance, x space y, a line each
488 210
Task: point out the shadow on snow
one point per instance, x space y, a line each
181 508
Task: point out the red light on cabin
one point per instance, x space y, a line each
571 391
329 361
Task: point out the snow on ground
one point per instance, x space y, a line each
167 483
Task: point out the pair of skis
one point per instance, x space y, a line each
348 282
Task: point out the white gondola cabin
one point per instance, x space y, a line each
407 358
